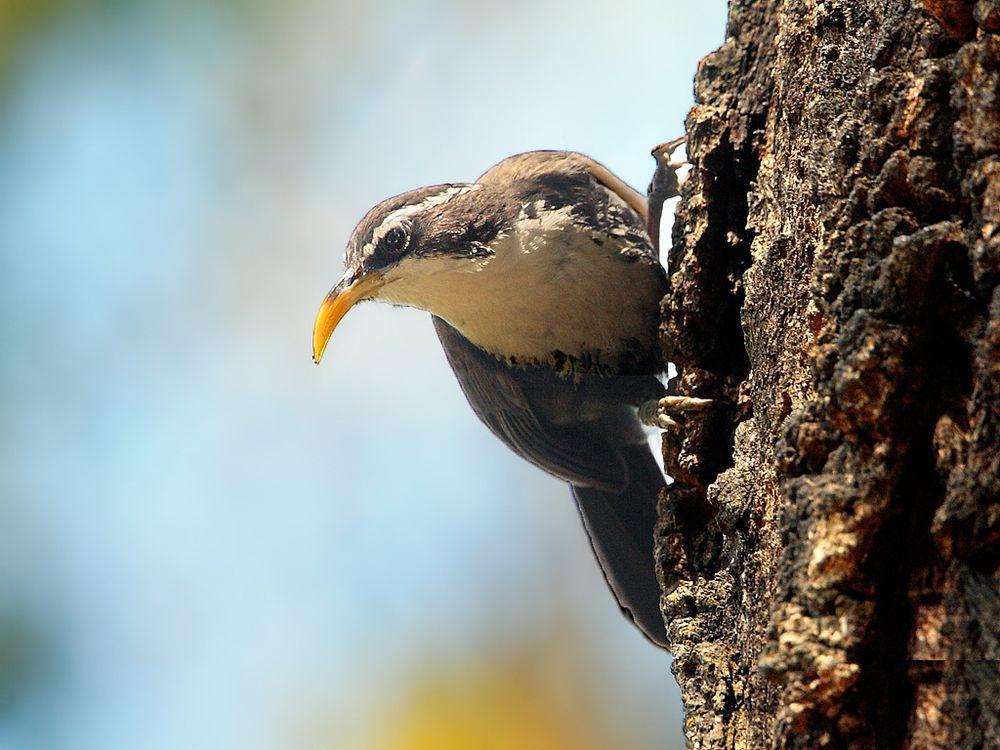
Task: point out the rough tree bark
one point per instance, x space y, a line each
829 550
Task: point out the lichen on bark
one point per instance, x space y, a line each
829 549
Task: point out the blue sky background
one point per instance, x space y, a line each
207 542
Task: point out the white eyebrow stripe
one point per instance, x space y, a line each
412 210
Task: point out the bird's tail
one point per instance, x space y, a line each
620 528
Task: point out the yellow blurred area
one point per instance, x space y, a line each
493 709
524 701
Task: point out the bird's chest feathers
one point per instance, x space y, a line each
547 292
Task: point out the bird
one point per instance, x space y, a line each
544 285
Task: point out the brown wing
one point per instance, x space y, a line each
517 405
615 480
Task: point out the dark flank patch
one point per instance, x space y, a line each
478 233
559 360
466 225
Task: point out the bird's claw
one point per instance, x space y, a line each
667 148
679 167
661 412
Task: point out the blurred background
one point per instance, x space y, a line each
206 541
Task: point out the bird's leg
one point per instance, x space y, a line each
661 412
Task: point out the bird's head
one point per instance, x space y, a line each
392 238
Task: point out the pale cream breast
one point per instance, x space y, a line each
547 286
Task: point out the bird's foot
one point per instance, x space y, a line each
661 412
667 148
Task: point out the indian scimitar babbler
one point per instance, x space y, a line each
544 286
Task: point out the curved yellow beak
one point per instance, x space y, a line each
340 299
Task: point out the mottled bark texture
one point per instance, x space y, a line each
829 550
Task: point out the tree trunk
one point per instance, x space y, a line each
829 550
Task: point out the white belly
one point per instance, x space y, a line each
545 288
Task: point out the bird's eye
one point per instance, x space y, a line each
395 240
